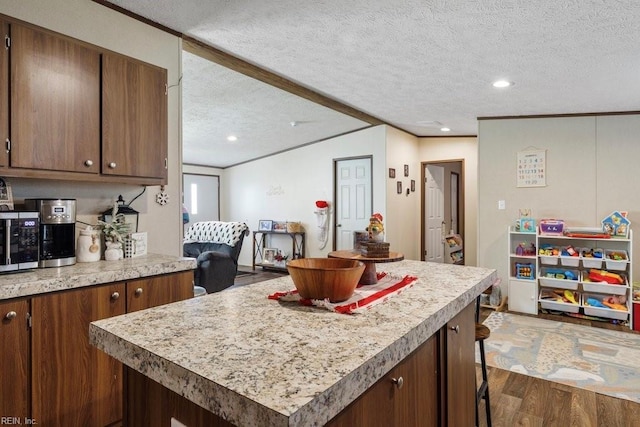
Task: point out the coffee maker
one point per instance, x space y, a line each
57 230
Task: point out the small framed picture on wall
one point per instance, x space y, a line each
399 184
392 173
406 170
413 185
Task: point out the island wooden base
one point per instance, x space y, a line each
151 404
438 389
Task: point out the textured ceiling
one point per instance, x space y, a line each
411 63
218 102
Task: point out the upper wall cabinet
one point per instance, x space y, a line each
134 118
74 111
4 92
55 102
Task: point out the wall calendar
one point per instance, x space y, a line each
532 168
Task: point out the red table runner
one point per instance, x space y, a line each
364 297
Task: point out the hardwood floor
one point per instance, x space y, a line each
520 400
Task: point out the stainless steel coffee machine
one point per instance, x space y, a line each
57 230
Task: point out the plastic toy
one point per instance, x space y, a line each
592 253
524 271
595 303
605 276
569 295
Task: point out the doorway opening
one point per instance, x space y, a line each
201 198
442 207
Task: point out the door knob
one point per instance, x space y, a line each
455 328
10 315
112 165
115 295
88 163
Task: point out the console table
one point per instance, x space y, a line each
262 238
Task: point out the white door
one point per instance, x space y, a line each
353 199
434 213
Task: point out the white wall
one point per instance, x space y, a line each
286 186
402 222
590 167
464 149
96 24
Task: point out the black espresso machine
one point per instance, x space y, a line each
57 230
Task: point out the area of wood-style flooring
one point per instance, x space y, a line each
520 400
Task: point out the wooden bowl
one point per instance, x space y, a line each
320 278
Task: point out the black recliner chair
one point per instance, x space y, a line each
216 245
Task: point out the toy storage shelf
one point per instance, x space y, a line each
531 273
453 246
586 275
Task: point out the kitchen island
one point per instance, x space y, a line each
257 362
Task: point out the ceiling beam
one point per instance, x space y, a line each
227 60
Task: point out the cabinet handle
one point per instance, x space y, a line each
399 382
115 295
10 315
88 163
112 165
138 292
455 328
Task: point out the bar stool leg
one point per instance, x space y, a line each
483 392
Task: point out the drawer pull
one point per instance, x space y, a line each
112 165
399 382
455 328
115 295
138 292
10 315
88 163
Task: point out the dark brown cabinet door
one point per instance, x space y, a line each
74 383
406 396
4 93
461 400
55 102
14 359
159 290
134 118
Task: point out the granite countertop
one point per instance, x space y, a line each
255 361
44 280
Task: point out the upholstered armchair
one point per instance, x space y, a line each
216 246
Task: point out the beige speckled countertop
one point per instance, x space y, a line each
43 280
257 362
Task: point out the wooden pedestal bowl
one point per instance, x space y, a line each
320 278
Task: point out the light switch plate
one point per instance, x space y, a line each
502 205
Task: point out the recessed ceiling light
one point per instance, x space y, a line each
232 138
445 129
502 84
